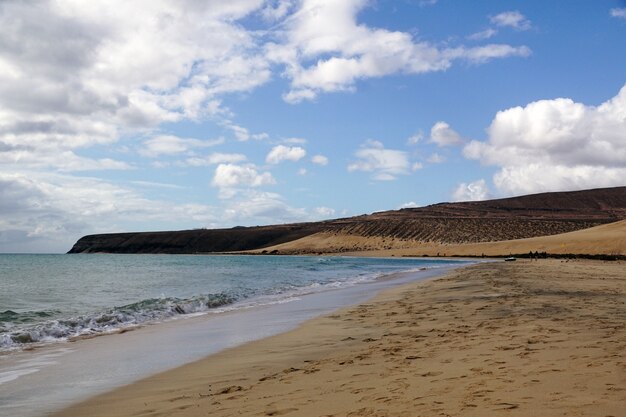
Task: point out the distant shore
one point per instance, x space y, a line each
516 339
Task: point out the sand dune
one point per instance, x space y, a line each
605 239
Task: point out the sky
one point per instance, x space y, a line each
120 116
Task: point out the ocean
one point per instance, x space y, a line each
65 317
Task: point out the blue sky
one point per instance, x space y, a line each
164 115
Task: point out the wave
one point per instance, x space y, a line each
10 316
15 331
18 330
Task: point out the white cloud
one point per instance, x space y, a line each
410 204
513 19
483 34
473 191
171 145
231 176
436 158
15 158
326 50
258 207
263 207
214 159
443 135
558 144
482 54
324 212
152 184
296 96
320 160
260 136
302 172
93 73
417 166
295 141
276 9
241 133
385 164
416 138
619 12
282 153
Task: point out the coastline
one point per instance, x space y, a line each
50 378
498 338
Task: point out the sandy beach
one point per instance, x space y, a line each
505 338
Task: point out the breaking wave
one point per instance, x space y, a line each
16 329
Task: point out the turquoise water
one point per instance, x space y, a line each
48 298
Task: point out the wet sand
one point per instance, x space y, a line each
500 339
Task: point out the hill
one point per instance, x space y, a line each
439 224
606 239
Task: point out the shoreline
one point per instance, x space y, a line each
496 338
95 365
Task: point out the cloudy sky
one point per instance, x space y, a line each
160 115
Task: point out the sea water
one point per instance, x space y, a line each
181 308
47 298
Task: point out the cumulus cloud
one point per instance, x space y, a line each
282 153
384 164
320 160
513 19
619 12
473 191
231 175
410 204
558 144
443 135
327 50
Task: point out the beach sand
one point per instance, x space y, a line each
543 338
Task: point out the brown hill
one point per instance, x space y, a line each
445 223
606 239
